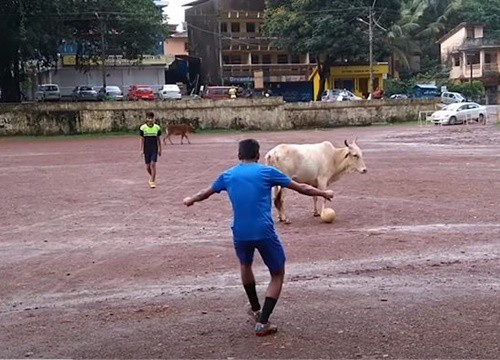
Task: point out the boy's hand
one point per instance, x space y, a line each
188 201
159 153
328 194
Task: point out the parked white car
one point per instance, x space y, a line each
460 113
332 95
170 92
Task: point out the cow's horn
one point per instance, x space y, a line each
346 143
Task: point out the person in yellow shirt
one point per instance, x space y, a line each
150 146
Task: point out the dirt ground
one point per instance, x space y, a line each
94 264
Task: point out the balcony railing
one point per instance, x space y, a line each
477 44
492 67
246 70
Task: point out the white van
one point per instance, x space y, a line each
48 92
452 97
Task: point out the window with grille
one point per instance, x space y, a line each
282 59
470 33
235 27
250 27
295 59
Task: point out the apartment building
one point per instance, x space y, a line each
227 36
472 56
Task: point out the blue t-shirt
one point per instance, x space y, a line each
249 187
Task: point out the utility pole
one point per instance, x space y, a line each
102 26
221 63
471 57
370 36
371 23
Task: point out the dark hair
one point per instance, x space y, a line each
150 115
248 149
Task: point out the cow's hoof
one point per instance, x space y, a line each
288 222
316 214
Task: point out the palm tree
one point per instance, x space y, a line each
401 35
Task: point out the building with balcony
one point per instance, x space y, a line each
472 56
226 35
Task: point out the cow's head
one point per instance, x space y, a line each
354 158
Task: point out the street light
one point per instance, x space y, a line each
370 38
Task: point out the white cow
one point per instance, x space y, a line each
315 164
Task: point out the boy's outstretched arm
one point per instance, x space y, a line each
305 189
202 195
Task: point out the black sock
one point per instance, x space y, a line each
252 296
267 310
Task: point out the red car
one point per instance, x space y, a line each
140 92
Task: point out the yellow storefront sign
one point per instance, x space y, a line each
357 71
158 60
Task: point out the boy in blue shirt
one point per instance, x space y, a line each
249 186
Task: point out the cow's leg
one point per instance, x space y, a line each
189 142
169 139
322 185
279 202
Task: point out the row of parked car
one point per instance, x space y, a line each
51 92
333 95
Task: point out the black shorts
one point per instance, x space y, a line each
150 157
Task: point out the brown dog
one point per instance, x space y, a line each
181 129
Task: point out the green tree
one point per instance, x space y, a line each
32 31
479 12
27 34
329 30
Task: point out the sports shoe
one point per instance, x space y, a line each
152 184
265 329
254 315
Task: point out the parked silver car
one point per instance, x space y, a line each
84 93
449 97
48 92
110 93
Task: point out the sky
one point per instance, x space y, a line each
175 11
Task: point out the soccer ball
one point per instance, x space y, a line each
328 215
